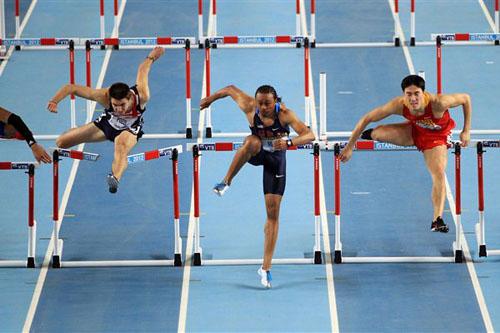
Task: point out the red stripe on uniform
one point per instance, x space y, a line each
152 154
283 39
462 36
292 148
230 39
47 41
111 41
1 41
5 165
164 40
223 146
365 145
77 155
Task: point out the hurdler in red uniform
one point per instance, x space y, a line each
428 127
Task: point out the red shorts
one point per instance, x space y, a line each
424 140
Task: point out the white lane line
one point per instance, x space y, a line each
470 266
183 307
472 272
21 28
74 168
487 15
334 320
401 35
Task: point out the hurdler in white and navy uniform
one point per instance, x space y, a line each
269 121
112 123
121 121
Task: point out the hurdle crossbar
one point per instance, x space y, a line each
231 146
57 262
79 42
153 154
480 225
30 167
256 41
371 146
459 39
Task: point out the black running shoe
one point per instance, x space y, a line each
439 225
112 183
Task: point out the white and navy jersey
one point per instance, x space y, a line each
268 134
132 121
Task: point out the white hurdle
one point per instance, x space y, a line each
57 261
284 41
323 124
231 146
30 167
379 146
480 225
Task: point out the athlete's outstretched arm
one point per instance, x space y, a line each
15 121
98 95
245 102
453 100
377 114
304 133
142 80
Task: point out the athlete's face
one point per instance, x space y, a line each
414 96
123 105
265 103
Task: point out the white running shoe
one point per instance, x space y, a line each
265 277
220 188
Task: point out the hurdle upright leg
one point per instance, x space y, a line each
480 236
58 243
317 216
31 217
175 185
30 261
457 245
196 189
338 244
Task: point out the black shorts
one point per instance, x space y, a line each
274 176
110 132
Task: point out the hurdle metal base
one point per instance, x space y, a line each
482 251
318 258
208 132
56 262
178 260
412 41
117 263
337 257
197 259
235 262
31 262
373 260
189 133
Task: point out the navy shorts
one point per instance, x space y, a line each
274 176
2 129
110 132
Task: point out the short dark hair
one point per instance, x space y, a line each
266 89
413 80
119 90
